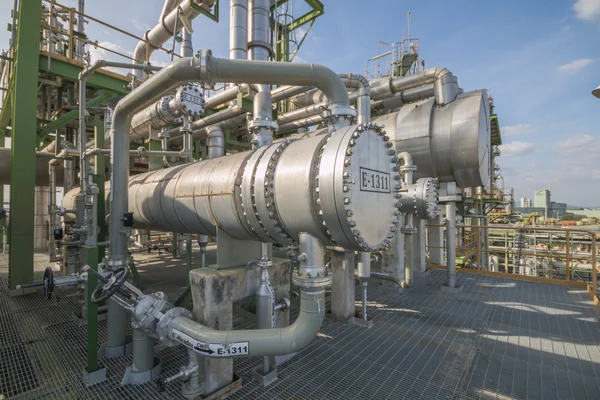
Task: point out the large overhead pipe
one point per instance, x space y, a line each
163 31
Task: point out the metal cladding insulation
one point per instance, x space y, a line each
338 188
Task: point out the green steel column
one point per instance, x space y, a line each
2 133
99 179
24 138
154 162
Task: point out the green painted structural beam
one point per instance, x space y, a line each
72 115
24 138
2 143
70 71
6 112
99 179
155 162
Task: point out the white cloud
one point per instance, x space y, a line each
516 148
575 142
587 10
518 129
575 65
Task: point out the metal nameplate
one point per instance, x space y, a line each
374 181
192 99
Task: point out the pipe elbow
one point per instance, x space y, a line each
439 72
330 83
406 158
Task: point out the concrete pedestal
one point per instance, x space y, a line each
213 293
342 289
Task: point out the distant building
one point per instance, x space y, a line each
541 198
525 202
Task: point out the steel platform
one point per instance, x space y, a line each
498 339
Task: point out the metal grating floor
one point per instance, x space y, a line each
498 339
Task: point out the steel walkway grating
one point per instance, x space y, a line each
497 339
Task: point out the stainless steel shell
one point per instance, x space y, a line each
451 142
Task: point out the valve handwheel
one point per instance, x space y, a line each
113 281
48 282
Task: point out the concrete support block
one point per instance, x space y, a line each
213 293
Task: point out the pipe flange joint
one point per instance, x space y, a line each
205 56
255 124
147 309
262 263
339 110
112 264
408 230
309 277
163 327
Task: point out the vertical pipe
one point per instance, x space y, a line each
116 326
238 30
80 28
216 142
594 269
143 351
409 246
364 272
451 244
259 48
265 299
187 50
568 255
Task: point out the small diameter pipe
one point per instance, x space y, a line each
364 272
143 350
451 244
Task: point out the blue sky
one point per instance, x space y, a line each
538 58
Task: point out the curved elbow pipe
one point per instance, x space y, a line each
261 342
281 73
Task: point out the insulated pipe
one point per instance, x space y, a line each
80 29
230 118
238 30
207 69
451 244
187 50
216 142
167 8
363 103
163 31
445 85
262 125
